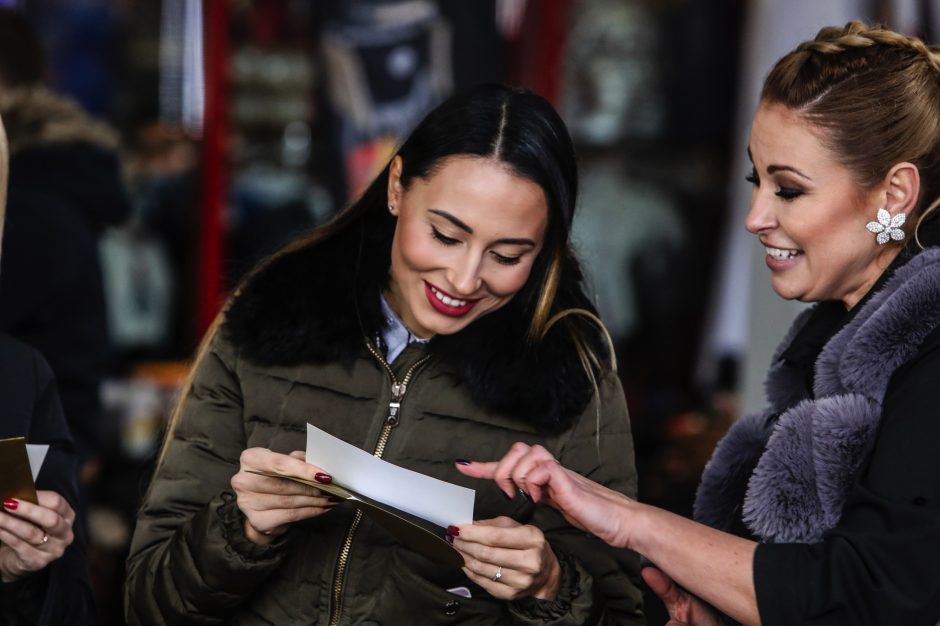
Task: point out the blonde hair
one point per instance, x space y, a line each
4 175
875 94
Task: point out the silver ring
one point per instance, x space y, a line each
498 574
45 539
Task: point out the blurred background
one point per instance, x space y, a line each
231 126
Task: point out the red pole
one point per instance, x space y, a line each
550 47
537 52
214 161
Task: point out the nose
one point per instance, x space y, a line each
464 275
761 217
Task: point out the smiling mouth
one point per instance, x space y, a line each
449 301
447 304
782 254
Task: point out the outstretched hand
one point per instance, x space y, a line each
584 503
684 609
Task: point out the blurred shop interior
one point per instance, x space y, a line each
238 124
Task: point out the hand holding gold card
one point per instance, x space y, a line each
16 477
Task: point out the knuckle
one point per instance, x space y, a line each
519 447
534 535
56 501
238 481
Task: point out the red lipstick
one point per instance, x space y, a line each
441 307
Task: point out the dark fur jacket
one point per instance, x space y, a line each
792 473
318 304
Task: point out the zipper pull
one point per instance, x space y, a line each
398 392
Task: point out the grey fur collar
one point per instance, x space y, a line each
792 475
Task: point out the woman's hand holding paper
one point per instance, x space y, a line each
271 505
33 535
508 559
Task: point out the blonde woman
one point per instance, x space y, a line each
43 567
824 508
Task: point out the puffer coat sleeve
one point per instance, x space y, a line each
190 561
599 584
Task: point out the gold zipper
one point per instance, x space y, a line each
391 421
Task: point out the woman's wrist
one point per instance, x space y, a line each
256 536
632 522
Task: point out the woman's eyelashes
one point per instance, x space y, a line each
502 259
787 193
444 239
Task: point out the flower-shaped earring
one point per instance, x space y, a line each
887 227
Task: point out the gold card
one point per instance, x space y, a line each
16 479
419 534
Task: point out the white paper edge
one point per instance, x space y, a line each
437 501
36 453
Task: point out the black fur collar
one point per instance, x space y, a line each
317 304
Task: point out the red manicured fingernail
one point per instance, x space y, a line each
453 531
323 477
11 504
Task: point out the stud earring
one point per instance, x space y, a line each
887 227
391 209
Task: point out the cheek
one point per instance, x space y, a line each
510 280
412 251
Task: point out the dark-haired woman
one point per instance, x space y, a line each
449 290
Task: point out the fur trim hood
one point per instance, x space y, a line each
36 116
52 139
319 303
793 473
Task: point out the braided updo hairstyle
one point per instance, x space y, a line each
875 94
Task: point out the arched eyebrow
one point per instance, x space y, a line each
450 218
515 241
771 169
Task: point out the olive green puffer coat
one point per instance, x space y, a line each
190 561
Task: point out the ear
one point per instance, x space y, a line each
395 188
901 189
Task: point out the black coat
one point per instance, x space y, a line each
51 293
61 594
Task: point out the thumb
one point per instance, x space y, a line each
476 469
663 586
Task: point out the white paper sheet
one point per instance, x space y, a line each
36 454
435 500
